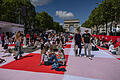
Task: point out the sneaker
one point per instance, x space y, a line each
90 58
15 58
80 55
20 55
86 56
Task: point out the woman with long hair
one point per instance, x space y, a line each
18 45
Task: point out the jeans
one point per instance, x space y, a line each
88 47
3 42
50 61
79 47
19 51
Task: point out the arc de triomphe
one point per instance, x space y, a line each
73 22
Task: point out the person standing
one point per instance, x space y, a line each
35 37
28 38
18 45
87 43
3 39
78 46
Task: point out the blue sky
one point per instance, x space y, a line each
76 9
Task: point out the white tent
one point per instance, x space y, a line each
10 27
51 31
83 30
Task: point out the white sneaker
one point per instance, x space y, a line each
85 56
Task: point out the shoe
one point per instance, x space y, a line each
15 58
20 55
86 56
90 58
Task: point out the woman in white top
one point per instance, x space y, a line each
112 49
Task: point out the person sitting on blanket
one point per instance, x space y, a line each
118 50
48 60
54 47
61 55
37 42
94 48
2 60
112 49
104 45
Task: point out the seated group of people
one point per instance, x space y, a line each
114 50
52 49
110 45
52 52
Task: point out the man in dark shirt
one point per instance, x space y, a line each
77 39
87 43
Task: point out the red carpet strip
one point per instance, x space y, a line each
118 58
101 48
67 46
69 42
15 44
30 63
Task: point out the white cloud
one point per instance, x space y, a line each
64 14
40 2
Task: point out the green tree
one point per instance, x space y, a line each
17 11
107 11
43 20
58 27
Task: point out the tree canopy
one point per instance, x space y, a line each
23 12
17 11
107 11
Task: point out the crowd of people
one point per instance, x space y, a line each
113 47
91 43
52 46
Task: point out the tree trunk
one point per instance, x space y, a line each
106 28
111 28
116 29
96 30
